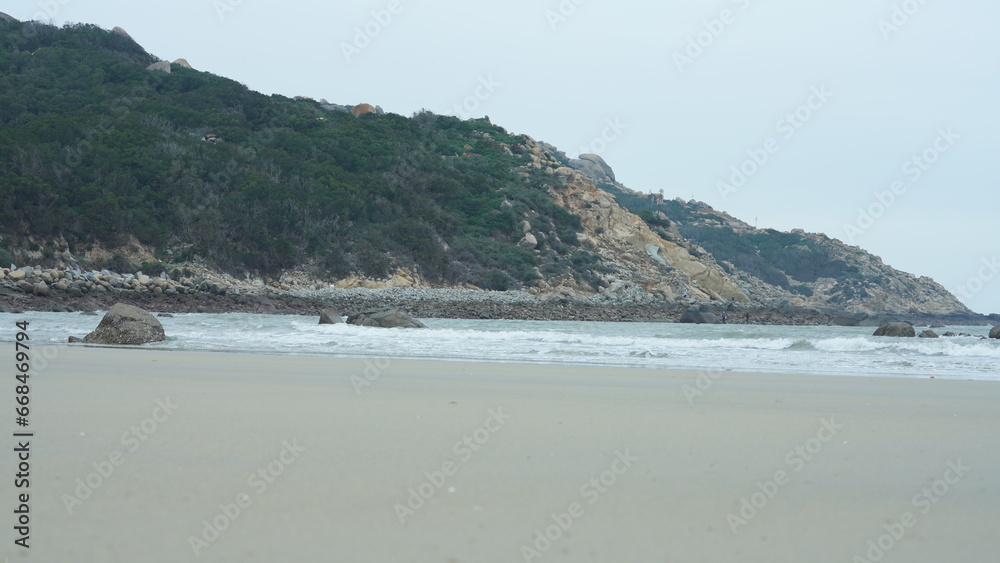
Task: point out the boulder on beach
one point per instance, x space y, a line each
995 332
330 317
126 324
928 334
896 329
695 315
384 318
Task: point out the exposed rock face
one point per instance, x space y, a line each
928 334
529 242
119 31
362 109
330 317
995 332
402 278
896 329
621 237
384 319
849 319
162 66
594 167
126 324
183 63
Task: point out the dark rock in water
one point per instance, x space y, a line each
949 334
330 317
995 332
928 334
73 339
387 318
697 316
126 324
89 313
165 315
896 329
936 325
849 319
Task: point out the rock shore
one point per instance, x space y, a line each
63 290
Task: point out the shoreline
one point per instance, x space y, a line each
443 303
538 364
322 466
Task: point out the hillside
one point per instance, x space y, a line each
807 269
112 159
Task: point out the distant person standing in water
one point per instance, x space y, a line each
748 318
724 316
790 321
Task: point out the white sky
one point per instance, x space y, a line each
563 79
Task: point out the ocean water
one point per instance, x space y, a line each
797 349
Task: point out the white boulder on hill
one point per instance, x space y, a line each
162 66
594 167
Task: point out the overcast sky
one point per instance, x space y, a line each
822 104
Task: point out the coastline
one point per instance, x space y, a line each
363 433
440 303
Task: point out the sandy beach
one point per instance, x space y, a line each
150 456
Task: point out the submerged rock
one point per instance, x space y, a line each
387 318
928 334
126 324
995 332
330 317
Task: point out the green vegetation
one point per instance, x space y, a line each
95 148
774 257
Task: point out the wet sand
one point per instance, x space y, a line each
144 455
